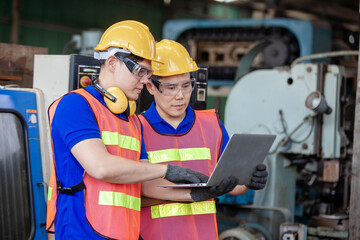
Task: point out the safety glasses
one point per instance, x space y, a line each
171 89
136 69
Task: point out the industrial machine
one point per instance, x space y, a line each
310 107
24 158
221 44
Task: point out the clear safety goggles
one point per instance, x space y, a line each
171 88
136 69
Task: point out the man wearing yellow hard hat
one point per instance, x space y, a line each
177 135
95 186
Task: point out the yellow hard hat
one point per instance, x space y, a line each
175 59
129 35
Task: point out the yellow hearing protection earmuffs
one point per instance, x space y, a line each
115 99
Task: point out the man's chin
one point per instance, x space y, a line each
133 97
177 114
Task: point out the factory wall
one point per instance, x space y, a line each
51 24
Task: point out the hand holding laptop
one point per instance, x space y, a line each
259 178
177 174
258 181
203 194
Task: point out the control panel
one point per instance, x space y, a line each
199 94
82 68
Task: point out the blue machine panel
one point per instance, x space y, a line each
221 44
21 106
312 38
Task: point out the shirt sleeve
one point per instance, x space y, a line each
74 120
225 136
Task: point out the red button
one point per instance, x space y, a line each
85 81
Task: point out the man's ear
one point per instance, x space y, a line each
150 87
110 63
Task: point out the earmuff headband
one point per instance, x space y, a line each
118 104
101 90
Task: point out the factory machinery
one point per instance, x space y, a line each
310 107
221 44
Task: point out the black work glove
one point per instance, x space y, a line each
205 193
177 174
259 178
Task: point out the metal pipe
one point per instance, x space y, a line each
322 69
325 55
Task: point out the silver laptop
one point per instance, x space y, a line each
239 159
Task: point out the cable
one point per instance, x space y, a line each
312 128
288 138
283 122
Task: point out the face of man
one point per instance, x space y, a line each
131 83
172 96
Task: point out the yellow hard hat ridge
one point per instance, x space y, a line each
175 59
130 35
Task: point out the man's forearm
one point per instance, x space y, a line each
147 202
151 189
100 164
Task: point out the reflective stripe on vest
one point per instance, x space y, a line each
174 154
182 209
119 199
114 138
49 193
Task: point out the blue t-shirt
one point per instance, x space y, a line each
163 127
74 122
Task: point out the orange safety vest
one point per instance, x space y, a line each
198 149
112 210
